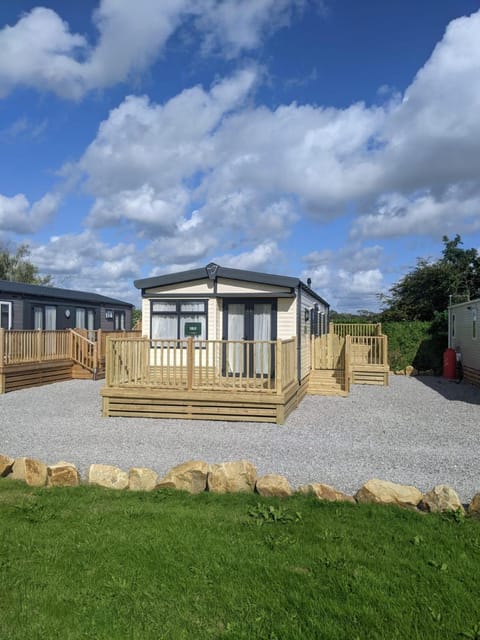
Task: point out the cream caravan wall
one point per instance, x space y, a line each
241 288
286 318
307 303
462 332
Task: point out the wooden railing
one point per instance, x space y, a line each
367 350
23 347
19 347
100 337
84 351
237 365
353 329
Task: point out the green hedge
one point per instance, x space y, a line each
416 343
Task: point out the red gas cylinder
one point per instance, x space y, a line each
450 364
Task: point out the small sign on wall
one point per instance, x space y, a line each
193 329
109 314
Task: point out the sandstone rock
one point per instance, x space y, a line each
384 492
31 471
189 476
441 498
474 506
62 474
411 371
325 492
400 372
6 464
274 485
230 477
109 476
142 479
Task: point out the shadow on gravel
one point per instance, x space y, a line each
451 389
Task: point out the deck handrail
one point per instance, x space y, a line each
25 346
192 364
84 351
355 329
368 350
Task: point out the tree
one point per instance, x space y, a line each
15 266
426 290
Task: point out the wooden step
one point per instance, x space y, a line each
327 382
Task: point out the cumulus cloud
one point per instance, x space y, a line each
350 278
40 51
84 262
19 216
217 175
238 25
264 257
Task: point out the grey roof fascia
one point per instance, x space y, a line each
222 272
229 274
20 288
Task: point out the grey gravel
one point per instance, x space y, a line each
421 431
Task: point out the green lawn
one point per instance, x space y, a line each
93 563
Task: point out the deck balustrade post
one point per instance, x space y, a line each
39 345
2 347
100 352
278 367
190 363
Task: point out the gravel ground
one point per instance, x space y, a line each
420 431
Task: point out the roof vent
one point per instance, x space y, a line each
309 281
211 270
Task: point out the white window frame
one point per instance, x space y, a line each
9 305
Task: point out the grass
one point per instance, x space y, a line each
92 563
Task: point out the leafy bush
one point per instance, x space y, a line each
417 343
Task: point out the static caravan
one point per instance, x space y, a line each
218 343
464 337
29 306
219 303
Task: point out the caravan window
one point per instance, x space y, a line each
6 314
170 317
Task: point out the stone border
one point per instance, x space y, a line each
197 476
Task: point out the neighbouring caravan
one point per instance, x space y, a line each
463 336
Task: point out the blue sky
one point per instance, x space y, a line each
332 139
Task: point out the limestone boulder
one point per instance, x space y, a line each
325 492
384 492
232 477
63 474
30 470
273 485
6 464
189 476
441 498
109 476
142 479
411 371
474 506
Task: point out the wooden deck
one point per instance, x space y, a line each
348 354
202 379
34 358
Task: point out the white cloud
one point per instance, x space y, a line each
239 25
84 262
39 51
425 214
264 257
350 278
19 216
